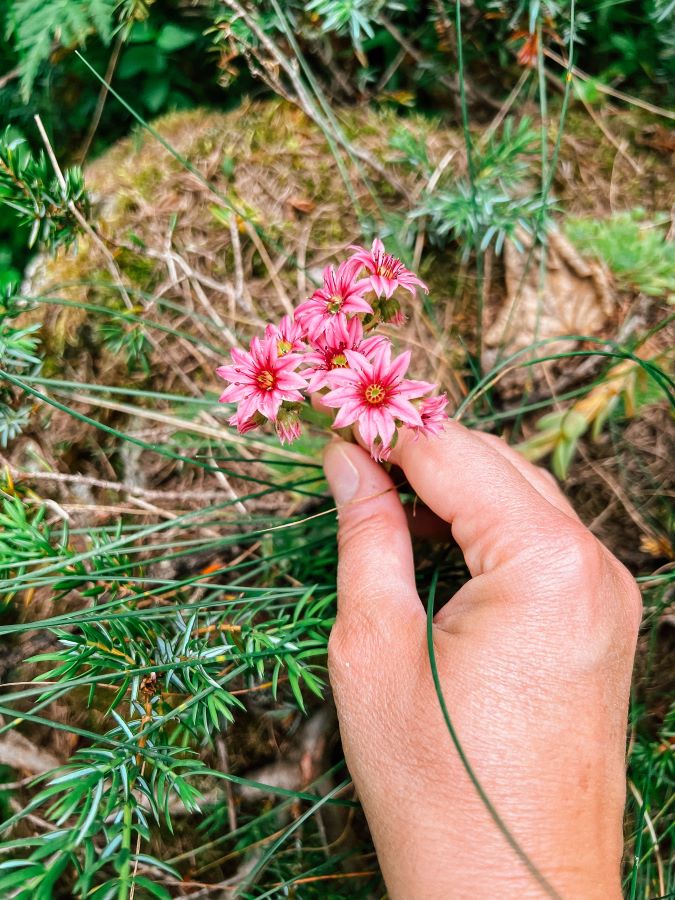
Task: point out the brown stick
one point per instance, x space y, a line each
102 97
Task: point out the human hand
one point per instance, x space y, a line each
534 655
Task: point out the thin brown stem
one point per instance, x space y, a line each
102 97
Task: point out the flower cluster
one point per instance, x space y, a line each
329 349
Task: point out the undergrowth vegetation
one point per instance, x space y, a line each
167 586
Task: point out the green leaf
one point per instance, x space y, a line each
141 59
24 874
175 37
153 888
574 424
155 92
562 457
142 32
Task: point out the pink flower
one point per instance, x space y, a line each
260 381
433 415
255 421
386 271
397 318
288 335
328 353
341 295
287 424
390 311
375 395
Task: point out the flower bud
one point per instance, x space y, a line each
287 423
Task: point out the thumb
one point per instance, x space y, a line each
376 576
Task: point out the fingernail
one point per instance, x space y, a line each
341 473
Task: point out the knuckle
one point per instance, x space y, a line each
629 595
603 598
581 557
565 564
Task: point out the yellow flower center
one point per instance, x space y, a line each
266 380
375 394
339 361
388 266
334 304
284 347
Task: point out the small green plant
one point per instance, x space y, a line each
43 203
110 797
635 249
166 680
352 17
51 210
412 150
129 340
651 782
489 205
653 757
622 392
18 356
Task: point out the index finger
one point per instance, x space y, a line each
495 513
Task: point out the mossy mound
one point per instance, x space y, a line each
244 225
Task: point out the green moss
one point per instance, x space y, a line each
126 204
147 181
139 270
634 248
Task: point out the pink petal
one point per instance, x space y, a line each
338 397
356 305
389 285
385 425
347 415
381 361
228 373
399 366
288 381
405 411
368 428
317 381
344 379
413 389
370 344
359 363
378 285
233 393
239 356
269 405
247 408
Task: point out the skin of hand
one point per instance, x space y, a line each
534 653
